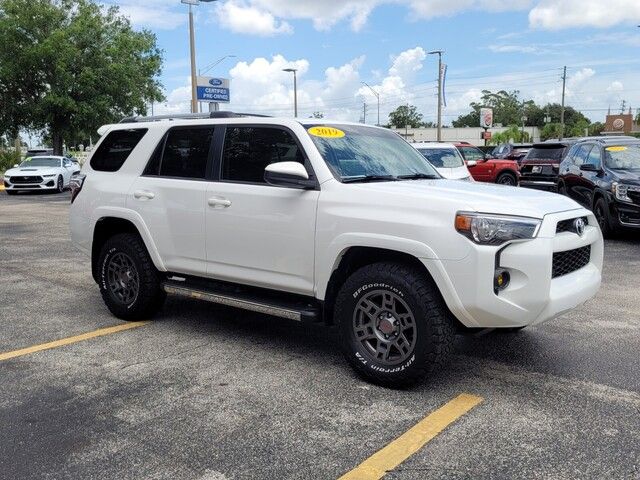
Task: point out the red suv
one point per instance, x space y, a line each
483 168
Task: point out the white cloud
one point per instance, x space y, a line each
615 87
242 18
513 49
558 14
581 76
154 14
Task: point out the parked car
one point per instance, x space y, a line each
38 152
539 168
485 168
314 221
511 151
40 173
446 159
604 176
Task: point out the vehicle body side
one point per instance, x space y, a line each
487 169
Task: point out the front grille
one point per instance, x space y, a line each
569 225
34 179
634 196
570 261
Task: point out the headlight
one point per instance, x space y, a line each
486 229
49 176
621 191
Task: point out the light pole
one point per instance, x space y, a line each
439 53
377 98
295 89
192 48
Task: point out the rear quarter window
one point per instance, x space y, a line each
115 149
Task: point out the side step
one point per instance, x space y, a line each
292 307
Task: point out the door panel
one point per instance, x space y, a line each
173 210
261 235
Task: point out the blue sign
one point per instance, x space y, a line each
213 89
213 94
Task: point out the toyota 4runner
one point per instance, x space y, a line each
329 222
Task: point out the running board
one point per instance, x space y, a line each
252 302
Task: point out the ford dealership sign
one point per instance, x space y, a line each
213 90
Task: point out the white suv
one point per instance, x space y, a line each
330 222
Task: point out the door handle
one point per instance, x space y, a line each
143 194
219 202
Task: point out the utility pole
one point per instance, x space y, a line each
623 105
564 84
364 112
439 53
377 95
192 42
295 89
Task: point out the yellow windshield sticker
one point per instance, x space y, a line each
326 132
616 149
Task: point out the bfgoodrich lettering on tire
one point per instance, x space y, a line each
394 327
128 281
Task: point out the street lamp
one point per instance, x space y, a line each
377 98
439 53
295 89
192 41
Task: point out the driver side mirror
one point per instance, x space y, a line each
471 163
288 174
15 165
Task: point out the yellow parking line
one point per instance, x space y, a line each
377 465
69 340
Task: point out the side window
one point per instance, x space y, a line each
594 157
581 154
185 154
471 153
115 149
248 151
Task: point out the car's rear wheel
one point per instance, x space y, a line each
562 188
601 212
394 326
60 184
128 280
507 178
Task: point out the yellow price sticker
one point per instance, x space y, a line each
326 132
616 149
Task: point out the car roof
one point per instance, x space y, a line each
613 140
429 145
57 157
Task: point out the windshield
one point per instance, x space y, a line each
545 153
354 151
442 157
623 157
40 162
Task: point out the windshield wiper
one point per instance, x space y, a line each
369 178
417 176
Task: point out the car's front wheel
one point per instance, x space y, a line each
394 326
507 178
128 280
601 212
60 184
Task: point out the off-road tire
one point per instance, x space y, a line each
434 331
149 296
507 178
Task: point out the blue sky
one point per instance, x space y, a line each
337 44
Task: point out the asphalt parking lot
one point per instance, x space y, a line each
206 392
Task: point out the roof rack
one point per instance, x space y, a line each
190 116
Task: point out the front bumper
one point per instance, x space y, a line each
532 295
45 184
626 215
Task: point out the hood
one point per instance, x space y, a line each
475 196
31 171
631 177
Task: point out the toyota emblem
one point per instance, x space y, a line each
579 226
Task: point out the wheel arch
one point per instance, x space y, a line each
355 257
107 226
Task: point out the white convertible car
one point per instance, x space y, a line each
40 173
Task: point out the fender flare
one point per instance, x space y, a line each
137 221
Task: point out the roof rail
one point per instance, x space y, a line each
189 116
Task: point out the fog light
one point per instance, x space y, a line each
50 183
501 280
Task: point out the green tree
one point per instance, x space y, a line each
512 134
507 109
405 115
550 131
69 66
596 128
